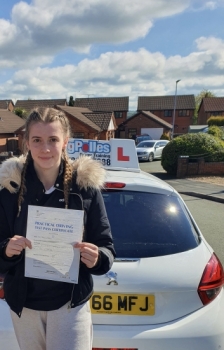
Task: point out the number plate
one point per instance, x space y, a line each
123 304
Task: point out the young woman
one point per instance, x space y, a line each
50 315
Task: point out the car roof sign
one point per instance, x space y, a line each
115 154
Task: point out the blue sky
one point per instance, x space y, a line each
55 49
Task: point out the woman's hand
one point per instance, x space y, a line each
89 253
16 246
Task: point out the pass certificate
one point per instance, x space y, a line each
53 232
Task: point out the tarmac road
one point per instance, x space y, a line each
154 167
209 218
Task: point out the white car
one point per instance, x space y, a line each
7 335
165 289
150 150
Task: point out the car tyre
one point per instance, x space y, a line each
151 157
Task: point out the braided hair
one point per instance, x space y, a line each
45 116
67 178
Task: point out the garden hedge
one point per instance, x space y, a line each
194 146
218 120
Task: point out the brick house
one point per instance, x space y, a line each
7 104
28 105
210 106
134 125
86 124
118 105
10 126
163 107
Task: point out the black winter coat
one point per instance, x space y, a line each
84 194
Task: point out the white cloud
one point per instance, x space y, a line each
213 47
40 30
45 27
125 74
210 44
200 5
7 33
211 5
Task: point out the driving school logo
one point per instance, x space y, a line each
90 146
96 149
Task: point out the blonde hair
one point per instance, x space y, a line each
45 116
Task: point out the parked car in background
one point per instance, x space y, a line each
150 150
194 129
140 138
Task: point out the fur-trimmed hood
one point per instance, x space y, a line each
89 173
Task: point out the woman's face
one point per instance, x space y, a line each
46 142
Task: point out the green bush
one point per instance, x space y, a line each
219 121
216 131
194 146
22 113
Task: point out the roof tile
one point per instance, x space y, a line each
9 122
213 104
100 119
155 103
157 119
31 104
4 104
103 104
79 113
151 116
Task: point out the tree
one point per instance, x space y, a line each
198 99
22 113
71 101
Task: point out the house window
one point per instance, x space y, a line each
78 135
168 113
118 114
215 114
183 113
131 133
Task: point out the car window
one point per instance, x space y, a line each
148 224
142 138
146 144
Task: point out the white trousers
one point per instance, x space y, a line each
62 329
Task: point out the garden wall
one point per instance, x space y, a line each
187 167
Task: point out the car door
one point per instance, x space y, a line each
158 150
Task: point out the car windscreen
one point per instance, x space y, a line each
148 224
146 144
